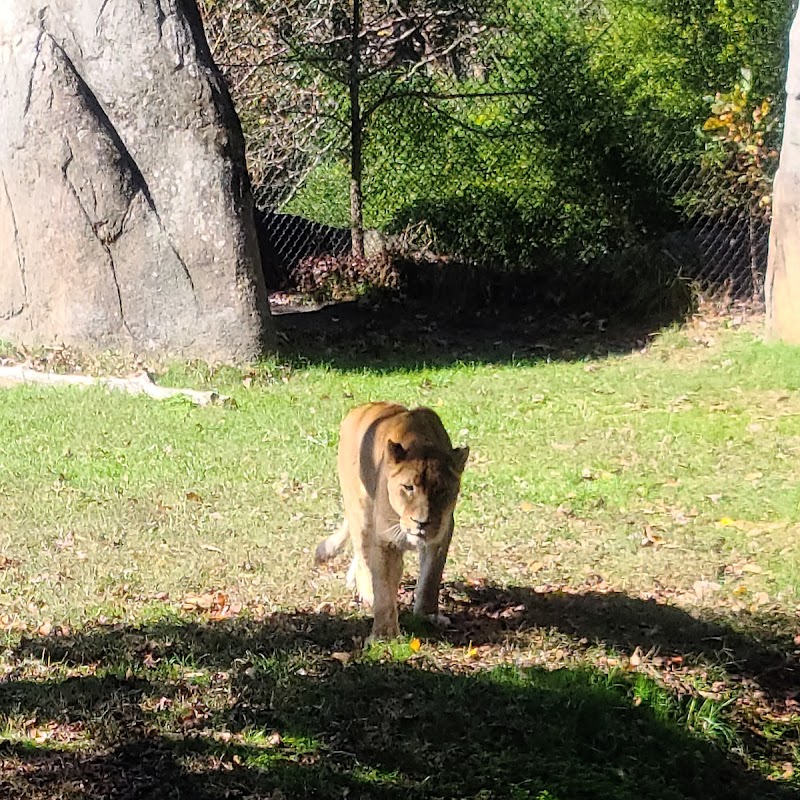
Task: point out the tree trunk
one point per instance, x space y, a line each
356 136
126 218
782 288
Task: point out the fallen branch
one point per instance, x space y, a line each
140 383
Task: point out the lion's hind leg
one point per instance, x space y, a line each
359 578
358 513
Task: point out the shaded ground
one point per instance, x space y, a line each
289 707
401 335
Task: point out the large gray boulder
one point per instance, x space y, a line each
126 218
782 286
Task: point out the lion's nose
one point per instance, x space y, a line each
420 523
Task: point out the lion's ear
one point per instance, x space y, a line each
397 452
460 456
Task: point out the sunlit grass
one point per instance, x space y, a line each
668 474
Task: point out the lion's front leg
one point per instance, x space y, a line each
431 566
386 566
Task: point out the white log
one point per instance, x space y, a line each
140 383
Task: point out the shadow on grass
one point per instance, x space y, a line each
245 709
762 650
397 335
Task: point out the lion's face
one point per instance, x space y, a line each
423 489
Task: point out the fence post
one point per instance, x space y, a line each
356 135
782 289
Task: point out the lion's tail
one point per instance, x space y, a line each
332 546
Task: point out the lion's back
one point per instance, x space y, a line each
366 431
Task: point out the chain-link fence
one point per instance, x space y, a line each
538 135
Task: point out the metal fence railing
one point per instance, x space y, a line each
539 135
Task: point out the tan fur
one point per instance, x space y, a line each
400 478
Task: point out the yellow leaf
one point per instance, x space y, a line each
726 521
713 123
415 645
526 506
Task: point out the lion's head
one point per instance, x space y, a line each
423 484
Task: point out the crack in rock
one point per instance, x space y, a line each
20 253
93 227
29 90
139 182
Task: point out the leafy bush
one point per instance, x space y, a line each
344 277
743 160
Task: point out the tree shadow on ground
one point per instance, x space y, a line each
399 335
761 650
246 709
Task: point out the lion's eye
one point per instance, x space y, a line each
408 487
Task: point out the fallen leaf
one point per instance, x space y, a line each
650 538
415 645
526 506
194 497
45 629
342 657
162 704
750 567
761 599
705 589
726 521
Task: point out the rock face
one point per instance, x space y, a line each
782 287
126 218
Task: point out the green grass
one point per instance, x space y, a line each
623 585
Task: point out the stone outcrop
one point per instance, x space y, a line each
782 286
126 218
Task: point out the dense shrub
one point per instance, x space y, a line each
327 277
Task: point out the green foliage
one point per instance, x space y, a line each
570 131
325 195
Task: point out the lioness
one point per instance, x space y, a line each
400 478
